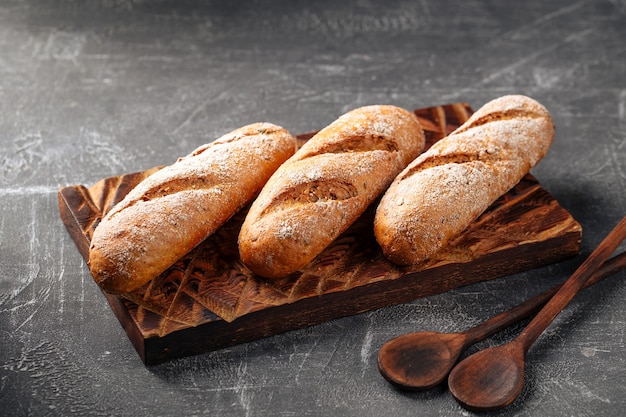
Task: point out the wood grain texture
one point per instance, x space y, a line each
209 291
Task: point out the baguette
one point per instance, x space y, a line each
447 187
321 190
177 207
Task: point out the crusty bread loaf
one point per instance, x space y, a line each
176 208
447 187
315 196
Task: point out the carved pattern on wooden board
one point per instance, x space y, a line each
211 284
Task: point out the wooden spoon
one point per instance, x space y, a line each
422 360
494 378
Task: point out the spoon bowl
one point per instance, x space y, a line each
419 360
493 378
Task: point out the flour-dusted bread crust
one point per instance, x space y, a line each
446 188
179 206
320 191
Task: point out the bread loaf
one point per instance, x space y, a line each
176 208
321 190
447 187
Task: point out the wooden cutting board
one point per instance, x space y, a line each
208 300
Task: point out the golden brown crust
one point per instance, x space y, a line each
446 188
176 208
315 196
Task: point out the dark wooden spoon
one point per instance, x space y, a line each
494 378
422 360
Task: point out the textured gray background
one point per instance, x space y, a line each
98 88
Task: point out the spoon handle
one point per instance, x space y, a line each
570 287
534 304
